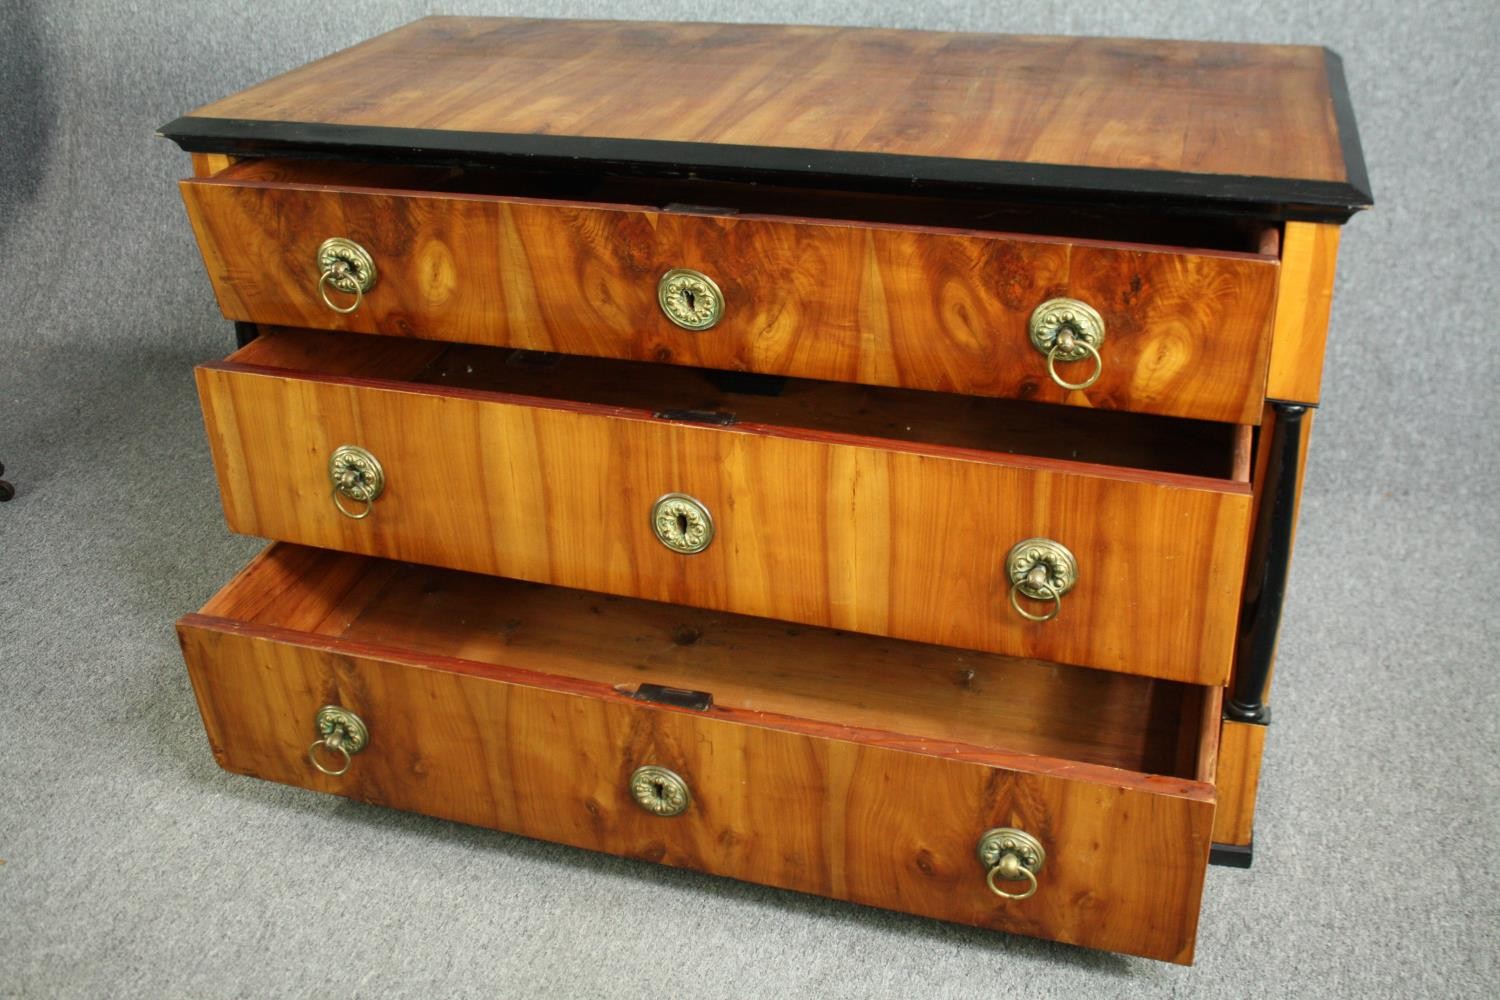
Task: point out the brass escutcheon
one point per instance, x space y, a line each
1068 330
660 791
357 475
341 731
1042 570
346 266
682 523
1010 855
690 298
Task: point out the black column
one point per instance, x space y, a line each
1270 561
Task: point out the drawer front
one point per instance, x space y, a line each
817 528
832 814
1186 333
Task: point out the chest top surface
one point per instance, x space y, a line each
1264 127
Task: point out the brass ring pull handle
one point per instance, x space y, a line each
1064 345
1010 869
1011 855
345 266
1068 330
335 275
356 475
336 743
1042 570
1036 581
339 503
340 731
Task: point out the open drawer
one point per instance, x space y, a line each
886 511
849 766
899 291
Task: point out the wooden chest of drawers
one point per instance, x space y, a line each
863 462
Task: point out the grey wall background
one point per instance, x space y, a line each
133 867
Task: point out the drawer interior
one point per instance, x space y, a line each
805 407
952 209
830 683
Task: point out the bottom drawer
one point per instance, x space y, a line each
846 765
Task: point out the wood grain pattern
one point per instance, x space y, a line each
1188 107
1187 332
1241 746
810 803
885 537
1304 298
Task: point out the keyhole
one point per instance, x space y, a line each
687 297
682 524
659 790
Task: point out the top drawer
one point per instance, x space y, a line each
1185 332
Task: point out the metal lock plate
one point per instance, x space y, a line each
1060 568
1077 321
690 298
682 523
346 265
660 791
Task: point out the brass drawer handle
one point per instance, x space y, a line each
340 731
1011 855
1042 570
357 475
682 523
690 298
1068 330
660 791
346 266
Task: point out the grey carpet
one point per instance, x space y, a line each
133 867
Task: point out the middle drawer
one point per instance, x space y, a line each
885 511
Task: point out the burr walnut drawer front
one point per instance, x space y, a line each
1149 328
1104 539
919 778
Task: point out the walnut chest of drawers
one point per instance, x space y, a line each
862 462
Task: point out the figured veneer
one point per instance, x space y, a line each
823 525
1187 331
854 767
1117 117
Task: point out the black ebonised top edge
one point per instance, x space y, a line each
1343 116
1273 197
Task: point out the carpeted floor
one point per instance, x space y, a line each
133 867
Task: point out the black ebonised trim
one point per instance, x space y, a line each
1270 563
1264 197
1343 117
1231 855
